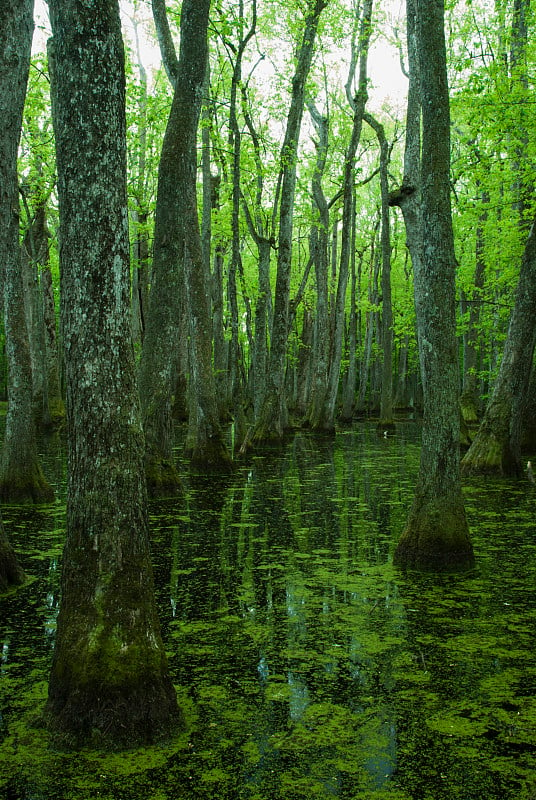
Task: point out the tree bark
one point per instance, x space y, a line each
109 683
11 573
320 234
436 536
272 418
386 421
358 107
469 399
205 444
21 477
496 448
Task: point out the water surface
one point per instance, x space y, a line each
309 667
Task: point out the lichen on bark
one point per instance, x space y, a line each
109 683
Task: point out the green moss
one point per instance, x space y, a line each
162 477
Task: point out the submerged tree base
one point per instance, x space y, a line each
125 717
163 479
436 539
211 456
11 574
487 456
26 488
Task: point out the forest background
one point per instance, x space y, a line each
291 296
492 159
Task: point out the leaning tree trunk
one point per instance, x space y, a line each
497 444
21 476
109 683
436 536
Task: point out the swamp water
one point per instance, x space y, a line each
308 666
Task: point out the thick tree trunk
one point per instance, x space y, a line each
21 476
436 536
109 683
496 448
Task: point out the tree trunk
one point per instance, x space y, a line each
205 444
469 398
349 396
320 357
271 421
358 105
373 298
11 573
139 213
436 536
109 683
54 415
21 476
496 448
386 421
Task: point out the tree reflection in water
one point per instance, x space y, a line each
310 666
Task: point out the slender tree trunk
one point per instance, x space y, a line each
109 683
349 397
386 421
54 415
321 340
469 399
32 244
21 477
520 95
205 444
436 536
139 213
50 412
235 266
497 444
373 298
264 241
271 421
358 105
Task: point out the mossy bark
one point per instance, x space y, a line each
496 448
21 477
109 683
11 573
272 417
436 536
